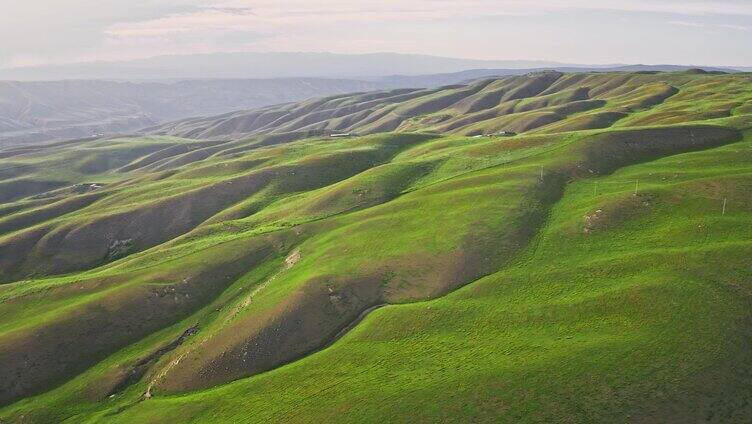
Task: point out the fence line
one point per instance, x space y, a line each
724 200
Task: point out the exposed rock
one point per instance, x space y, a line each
119 249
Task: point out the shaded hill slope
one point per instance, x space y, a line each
571 274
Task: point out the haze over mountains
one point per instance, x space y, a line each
39 111
81 100
293 65
264 65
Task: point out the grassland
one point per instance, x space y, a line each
574 272
544 102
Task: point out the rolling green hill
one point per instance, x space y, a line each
542 102
594 267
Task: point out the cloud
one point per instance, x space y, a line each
232 10
288 17
736 27
36 31
264 15
291 14
294 25
714 26
123 29
673 7
688 24
504 7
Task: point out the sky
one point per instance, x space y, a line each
699 32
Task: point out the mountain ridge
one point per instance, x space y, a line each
482 107
42 111
263 65
250 65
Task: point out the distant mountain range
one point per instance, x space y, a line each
32 112
284 65
437 80
486 106
264 65
113 97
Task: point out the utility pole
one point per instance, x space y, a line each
724 207
636 186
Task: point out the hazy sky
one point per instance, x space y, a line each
574 31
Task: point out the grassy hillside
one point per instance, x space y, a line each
542 102
575 272
34 112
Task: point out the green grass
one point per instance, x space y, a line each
524 280
543 102
621 322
